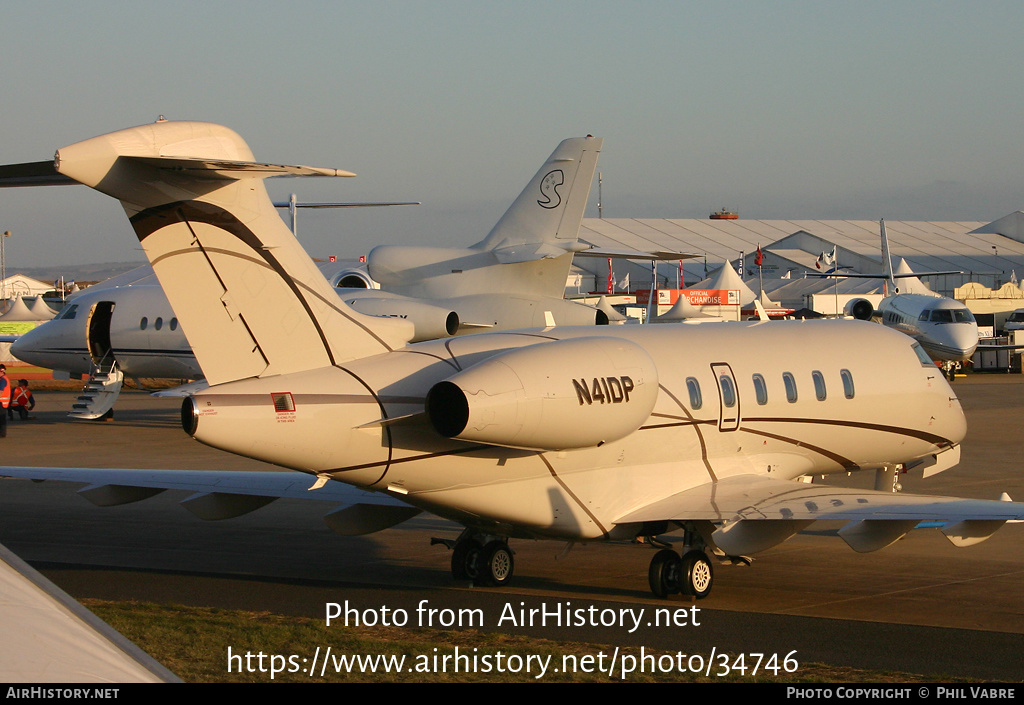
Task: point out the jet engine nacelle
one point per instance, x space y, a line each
354 279
861 309
430 322
573 393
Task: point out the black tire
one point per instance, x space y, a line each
697 575
664 574
466 560
496 564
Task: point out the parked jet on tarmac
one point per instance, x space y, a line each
566 433
944 327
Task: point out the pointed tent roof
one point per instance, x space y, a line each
910 285
727 278
41 310
19 311
683 310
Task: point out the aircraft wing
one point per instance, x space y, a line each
758 512
224 494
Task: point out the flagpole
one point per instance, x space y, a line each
654 289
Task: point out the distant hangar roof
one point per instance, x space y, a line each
987 252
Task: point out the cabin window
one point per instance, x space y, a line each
158 324
144 323
174 324
790 382
819 385
693 386
728 391
760 390
847 383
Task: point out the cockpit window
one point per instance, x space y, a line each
68 313
952 315
1016 317
922 356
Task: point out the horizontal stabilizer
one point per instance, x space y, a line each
32 174
533 251
635 254
233 169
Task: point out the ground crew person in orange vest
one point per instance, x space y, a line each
5 399
22 401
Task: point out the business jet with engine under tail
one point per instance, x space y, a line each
566 433
945 328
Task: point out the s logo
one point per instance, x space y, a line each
549 189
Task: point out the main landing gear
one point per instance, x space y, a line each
690 574
480 558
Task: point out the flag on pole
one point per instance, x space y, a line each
759 258
611 278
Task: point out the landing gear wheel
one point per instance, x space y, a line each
496 564
664 573
466 560
696 574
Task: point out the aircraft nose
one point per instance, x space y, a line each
24 347
955 341
38 346
963 338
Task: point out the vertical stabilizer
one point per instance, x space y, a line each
887 258
550 208
250 299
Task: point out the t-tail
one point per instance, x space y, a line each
251 300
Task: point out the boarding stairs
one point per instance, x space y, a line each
100 392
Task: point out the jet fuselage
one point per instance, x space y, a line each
779 399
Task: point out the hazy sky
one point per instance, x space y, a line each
903 110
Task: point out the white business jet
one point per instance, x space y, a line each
566 433
944 327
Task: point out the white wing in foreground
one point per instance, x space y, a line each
226 494
755 513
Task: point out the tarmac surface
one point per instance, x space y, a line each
920 606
